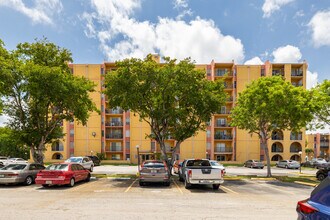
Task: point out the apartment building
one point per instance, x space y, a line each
117 133
320 145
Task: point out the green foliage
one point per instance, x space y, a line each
270 104
101 156
321 99
11 146
40 93
175 99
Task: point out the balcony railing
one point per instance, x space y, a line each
229 99
222 112
115 148
296 137
277 138
223 150
223 137
219 124
223 72
229 86
278 72
113 123
297 84
114 136
297 72
114 111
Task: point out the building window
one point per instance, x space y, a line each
57 146
127 121
71 132
128 145
57 156
127 133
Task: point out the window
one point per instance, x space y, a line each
71 132
127 133
57 146
128 145
127 121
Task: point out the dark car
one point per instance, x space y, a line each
323 165
322 173
96 160
318 205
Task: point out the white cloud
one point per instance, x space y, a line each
42 11
199 39
299 14
287 54
320 26
3 120
271 6
180 3
311 79
254 61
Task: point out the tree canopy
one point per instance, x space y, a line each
40 92
175 99
321 97
10 144
269 104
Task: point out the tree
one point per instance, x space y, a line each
269 104
40 93
321 98
175 99
10 145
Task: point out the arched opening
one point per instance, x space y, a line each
277 147
57 156
277 135
57 146
295 157
295 147
277 157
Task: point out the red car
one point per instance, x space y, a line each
62 174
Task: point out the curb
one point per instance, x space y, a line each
306 184
266 179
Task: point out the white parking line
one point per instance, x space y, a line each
275 188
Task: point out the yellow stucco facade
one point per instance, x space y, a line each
117 133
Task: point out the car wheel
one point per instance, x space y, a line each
286 167
215 186
28 180
187 185
180 178
321 176
71 184
91 169
88 178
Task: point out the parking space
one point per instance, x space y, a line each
123 198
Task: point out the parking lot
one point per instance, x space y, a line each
123 198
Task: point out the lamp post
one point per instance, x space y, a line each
300 153
138 155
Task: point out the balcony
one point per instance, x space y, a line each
297 84
114 136
324 143
223 72
114 148
229 86
223 150
230 99
297 72
221 125
295 136
113 111
224 112
219 136
113 123
278 72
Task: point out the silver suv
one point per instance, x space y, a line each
86 162
292 164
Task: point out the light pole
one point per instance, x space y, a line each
300 161
138 155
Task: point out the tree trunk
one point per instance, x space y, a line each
265 147
38 153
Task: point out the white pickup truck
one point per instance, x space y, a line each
200 171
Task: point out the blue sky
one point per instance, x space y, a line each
244 31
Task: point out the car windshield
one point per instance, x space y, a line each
57 167
213 163
256 160
192 163
74 160
154 165
14 167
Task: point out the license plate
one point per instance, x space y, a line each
49 182
153 171
2 175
